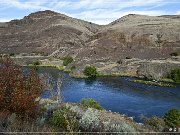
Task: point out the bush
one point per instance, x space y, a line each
172 118
90 103
155 122
11 54
90 120
65 119
175 75
67 60
90 71
18 91
36 63
73 67
175 54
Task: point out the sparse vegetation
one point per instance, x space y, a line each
90 103
154 83
67 60
90 71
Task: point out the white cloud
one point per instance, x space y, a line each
178 13
98 11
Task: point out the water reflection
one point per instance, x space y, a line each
119 94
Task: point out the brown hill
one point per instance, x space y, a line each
48 32
45 32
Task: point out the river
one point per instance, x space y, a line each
117 94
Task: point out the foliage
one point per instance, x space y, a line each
175 75
90 103
90 71
11 54
90 120
18 90
172 118
65 119
73 67
67 60
155 122
120 128
36 63
175 54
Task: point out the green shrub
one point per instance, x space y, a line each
73 67
175 54
90 71
67 60
65 119
36 63
11 54
90 103
175 75
172 118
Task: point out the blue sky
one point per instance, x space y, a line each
97 11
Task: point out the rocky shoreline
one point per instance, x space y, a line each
157 69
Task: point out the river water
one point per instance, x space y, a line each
117 94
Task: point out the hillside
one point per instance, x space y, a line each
117 48
45 32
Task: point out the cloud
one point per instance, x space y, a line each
98 11
178 13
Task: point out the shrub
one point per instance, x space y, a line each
175 54
172 118
36 63
73 67
67 60
65 119
11 54
175 75
90 120
155 122
18 90
90 71
90 103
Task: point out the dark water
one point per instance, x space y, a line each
118 94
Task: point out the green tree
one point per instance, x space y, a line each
90 71
172 118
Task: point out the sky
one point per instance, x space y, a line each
96 11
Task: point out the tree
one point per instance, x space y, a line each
18 90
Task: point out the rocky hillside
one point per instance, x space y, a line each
136 36
45 32
119 47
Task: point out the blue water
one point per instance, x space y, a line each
119 94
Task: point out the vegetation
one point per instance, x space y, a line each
175 54
73 67
154 122
172 118
36 63
18 91
11 54
65 119
67 60
175 75
90 71
154 83
90 103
